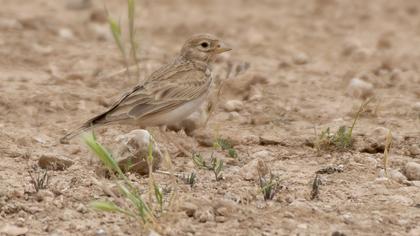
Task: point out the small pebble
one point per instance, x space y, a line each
264 154
81 208
249 171
412 171
358 88
12 230
100 232
367 160
233 105
189 208
10 24
54 162
414 150
66 33
350 47
300 58
416 106
394 175
153 233
205 214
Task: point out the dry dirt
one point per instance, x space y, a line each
303 56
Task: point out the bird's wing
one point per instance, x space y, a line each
165 90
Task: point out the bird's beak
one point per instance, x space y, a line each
221 47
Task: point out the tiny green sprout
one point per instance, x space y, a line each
269 184
198 160
132 33
269 187
232 153
158 196
343 138
40 178
189 179
217 167
388 143
315 187
116 33
150 150
224 145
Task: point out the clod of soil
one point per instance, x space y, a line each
54 162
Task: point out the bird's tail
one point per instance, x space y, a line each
93 122
85 127
100 119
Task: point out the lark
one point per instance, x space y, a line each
168 95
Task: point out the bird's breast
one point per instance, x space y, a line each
176 115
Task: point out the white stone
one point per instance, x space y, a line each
153 233
300 58
10 24
399 199
394 175
133 151
367 160
416 183
249 171
414 149
101 31
12 230
233 105
359 88
416 106
264 154
412 171
414 231
66 33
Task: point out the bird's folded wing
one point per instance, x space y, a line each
160 95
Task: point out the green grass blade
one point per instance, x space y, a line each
232 153
100 151
198 160
222 144
116 33
150 151
109 207
132 33
142 209
158 196
131 9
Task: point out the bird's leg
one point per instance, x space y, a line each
170 138
163 128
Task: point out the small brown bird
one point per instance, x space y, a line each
168 95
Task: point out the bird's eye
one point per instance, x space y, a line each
204 44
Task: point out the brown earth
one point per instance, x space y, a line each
304 59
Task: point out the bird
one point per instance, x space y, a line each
169 94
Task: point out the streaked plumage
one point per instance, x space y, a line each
168 95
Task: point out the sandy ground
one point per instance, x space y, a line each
311 65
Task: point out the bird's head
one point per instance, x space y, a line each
203 48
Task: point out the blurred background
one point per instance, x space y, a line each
300 66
